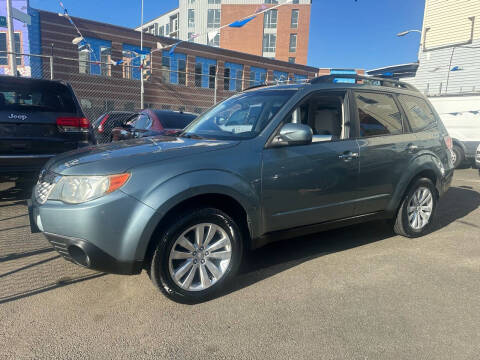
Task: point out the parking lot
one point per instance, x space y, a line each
356 293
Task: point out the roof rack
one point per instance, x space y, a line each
361 79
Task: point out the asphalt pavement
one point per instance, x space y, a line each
355 293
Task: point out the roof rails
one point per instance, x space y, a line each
361 79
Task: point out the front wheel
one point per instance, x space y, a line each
197 255
415 215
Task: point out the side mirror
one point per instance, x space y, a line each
293 134
321 138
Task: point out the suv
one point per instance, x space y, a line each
38 119
266 164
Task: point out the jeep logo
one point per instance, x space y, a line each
18 117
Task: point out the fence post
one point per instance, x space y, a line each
51 67
215 87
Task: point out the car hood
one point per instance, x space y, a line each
117 157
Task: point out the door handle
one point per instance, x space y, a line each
347 156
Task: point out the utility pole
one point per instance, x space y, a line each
141 61
11 40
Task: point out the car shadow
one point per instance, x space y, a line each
15 193
274 258
65 281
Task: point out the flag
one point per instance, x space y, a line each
141 52
240 23
456 68
261 8
193 36
172 50
211 35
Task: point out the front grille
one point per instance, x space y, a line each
45 184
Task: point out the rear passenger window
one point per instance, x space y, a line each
378 114
419 114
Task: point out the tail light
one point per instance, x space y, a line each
102 123
448 142
73 124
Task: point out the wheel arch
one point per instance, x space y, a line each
217 189
426 166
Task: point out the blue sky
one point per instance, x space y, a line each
343 33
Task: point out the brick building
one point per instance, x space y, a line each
280 33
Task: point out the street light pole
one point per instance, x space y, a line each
11 40
141 60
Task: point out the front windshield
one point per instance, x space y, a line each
242 116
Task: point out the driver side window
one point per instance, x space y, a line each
324 114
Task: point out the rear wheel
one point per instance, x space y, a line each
197 255
415 215
458 156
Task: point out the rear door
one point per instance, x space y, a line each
385 148
29 110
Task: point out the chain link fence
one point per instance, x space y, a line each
103 86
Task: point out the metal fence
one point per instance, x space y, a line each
106 86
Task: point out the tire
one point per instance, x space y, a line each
170 257
403 222
458 156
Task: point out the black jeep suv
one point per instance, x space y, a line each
38 119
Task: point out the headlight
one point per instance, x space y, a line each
79 189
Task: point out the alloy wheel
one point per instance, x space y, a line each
420 207
200 257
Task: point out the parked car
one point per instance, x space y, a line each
264 165
101 129
153 122
461 118
38 119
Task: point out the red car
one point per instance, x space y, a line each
153 122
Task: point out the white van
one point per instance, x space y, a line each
461 117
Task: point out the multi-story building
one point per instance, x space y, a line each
280 33
449 55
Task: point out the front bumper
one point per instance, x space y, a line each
106 234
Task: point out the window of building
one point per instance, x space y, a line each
83 61
214 1
215 41
198 74
271 1
162 30
226 79
205 71
291 60
257 76
233 76
165 68
105 57
280 76
211 79
131 61
3 47
238 80
270 19
295 2
420 116
269 42
213 18
299 78
378 114
293 43
182 68
191 2
167 29
191 18
190 34
294 19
